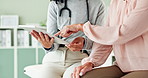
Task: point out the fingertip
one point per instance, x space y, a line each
32 30
47 35
41 32
81 74
31 33
52 39
71 44
67 35
55 34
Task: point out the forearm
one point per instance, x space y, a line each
132 27
98 55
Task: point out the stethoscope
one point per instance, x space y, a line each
70 13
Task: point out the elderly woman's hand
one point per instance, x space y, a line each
44 39
81 70
70 29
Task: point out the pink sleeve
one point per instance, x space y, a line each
99 54
135 24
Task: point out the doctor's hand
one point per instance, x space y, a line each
81 70
70 29
44 39
77 44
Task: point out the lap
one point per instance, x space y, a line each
104 72
137 74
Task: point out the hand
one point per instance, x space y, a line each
81 70
68 30
44 39
77 44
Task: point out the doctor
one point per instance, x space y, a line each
126 32
59 60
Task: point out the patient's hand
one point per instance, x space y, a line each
70 29
77 44
44 39
81 70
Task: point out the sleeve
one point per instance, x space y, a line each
52 23
99 20
52 18
87 44
135 24
99 54
53 48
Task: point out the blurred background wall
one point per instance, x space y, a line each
29 11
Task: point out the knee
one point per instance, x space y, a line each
67 74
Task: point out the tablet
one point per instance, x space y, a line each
42 29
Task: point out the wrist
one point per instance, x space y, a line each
91 64
80 27
50 46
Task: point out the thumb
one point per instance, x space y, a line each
75 41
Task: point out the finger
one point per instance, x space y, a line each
74 72
42 36
81 74
71 75
34 35
62 34
52 40
75 42
67 46
74 49
78 71
83 71
58 33
35 32
47 38
74 46
66 34
71 49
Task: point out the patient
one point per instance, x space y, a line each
59 60
125 32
